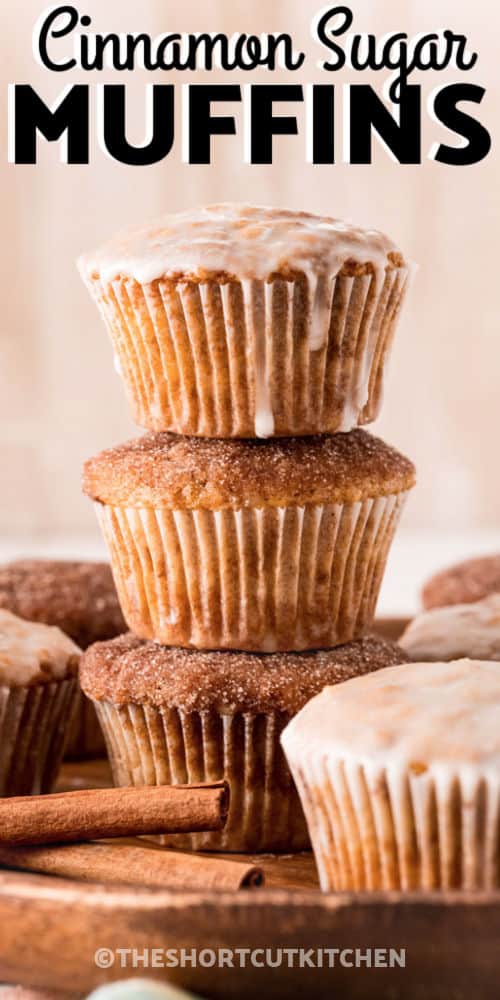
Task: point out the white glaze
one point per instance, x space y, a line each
26 646
242 240
439 715
139 989
460 630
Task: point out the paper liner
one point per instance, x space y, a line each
85 737
375 828
253 358
285 578
149 746
34 725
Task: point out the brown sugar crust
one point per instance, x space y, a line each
465 583
130 670
186 473
79 597
350 269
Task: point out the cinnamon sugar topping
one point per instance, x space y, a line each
128 669
199 473
464 583
79 597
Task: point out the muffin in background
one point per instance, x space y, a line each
172 716
461 630
243 321
253 545
38 694
399 776
464 583
79 598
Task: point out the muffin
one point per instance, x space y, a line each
264 546
464 583
461 630
134 989
399 776
172 716
79 598
243 321
38 691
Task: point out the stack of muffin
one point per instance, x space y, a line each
248 531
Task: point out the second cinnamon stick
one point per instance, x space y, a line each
134 864
93 814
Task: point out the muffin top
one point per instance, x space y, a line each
470 630
412 717
131 670
464 583
232 242
201 473
31 653
79 597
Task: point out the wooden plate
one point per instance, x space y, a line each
51 930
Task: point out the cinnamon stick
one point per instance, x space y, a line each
130 864
93 814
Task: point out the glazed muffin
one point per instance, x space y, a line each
174 716
399 777
79 598
461 630
38 692
245 544
243 321
464 583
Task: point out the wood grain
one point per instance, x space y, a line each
451 940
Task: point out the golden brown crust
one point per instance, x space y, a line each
181 473
465 583
79 597
130 670
350 269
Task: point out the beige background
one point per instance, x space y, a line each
60 399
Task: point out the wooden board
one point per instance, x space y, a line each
50 930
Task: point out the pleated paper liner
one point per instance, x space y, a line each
263 579
34 726
85 737
253 358
149 746
375 829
